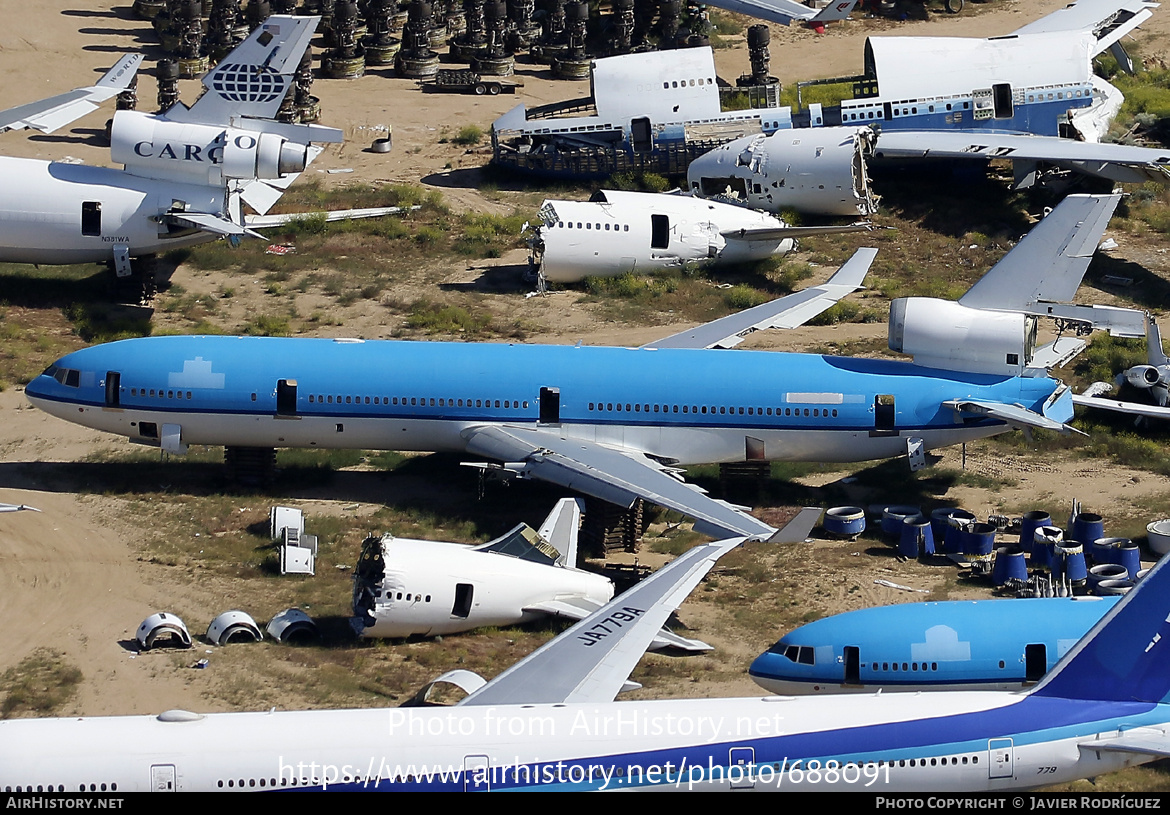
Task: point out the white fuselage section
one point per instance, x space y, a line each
648 232
769 744
58 213
430 588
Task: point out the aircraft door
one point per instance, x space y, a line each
1002 100
852 665
464 594
114 389
641 135
659 232
286 397
741 769
477 774
162 777
1000 755
1035 662
550 406
884 412
91 218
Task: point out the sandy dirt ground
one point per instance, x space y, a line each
71 576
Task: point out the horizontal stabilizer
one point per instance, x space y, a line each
55 112
785 11
799 528
1015 415
591 662
1047 266
1148 741
269 221
212 223
787 312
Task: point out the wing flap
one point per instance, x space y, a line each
612 475
1118 406
786 312
591 662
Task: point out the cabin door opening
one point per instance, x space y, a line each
464 592
641 135
659 232
1035 662
550 405
883 412
286 397
852 665
91 218
1001 95
113 389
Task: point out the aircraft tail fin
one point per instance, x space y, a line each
1126 656
560 529
1155 354
255 77
1050 262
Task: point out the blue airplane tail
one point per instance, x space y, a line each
1126 656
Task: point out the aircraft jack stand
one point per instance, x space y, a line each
609 526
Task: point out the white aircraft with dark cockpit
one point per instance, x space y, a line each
550 722
618 423
188 172
641 232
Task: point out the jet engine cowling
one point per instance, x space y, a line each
1146 376
947 335
818 170
153 147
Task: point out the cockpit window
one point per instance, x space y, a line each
69 377
800 654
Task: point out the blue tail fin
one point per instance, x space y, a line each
1126 656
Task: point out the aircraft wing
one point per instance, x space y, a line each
50 114
787 312
591 662
1117 162
1047 266
1015 415
780 233
578 608
268 221
785 11
1107 20
612 475
1118 406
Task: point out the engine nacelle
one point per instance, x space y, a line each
197 153
944 334
1146 376
817 170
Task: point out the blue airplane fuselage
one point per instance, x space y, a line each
685 406
956 645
